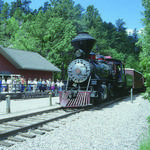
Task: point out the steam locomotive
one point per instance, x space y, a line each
91 79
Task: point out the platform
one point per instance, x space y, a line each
27 106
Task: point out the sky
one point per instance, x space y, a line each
110 10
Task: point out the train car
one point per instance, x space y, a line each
137 79
91 79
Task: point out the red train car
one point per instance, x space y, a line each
137 77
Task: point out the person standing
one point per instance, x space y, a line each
0 84
3 84
58 86
14 83
29 84
53 86
18 82
22 84
39 84
9 84
49 84
25 85
43 85
61 84
34 85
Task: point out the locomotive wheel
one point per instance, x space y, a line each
107 93
100 98
110 94
104 93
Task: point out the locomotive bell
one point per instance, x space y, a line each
84 42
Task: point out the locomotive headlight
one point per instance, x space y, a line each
78 71
78 53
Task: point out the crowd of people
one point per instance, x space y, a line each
19 83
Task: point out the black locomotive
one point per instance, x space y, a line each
93 79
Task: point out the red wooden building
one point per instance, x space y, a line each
25 63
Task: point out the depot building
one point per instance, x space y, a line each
28 64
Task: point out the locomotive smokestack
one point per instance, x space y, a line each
83 41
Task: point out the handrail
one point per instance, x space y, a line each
15 87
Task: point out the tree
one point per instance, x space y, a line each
12 8
22 5
120 25
49 37
8 30
66 10
121 37
25 7
5 11
62 8
92 17
46 6
145 42
77 20
18 14
50 29
94 25
111 31
1 5
4 16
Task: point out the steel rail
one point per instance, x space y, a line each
28 115
14 131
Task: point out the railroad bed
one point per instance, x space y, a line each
118 126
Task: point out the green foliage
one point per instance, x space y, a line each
94 25
12 26
132 62
50 29
49 37
5 11
8 28
145 43
20 5
145 144
18 14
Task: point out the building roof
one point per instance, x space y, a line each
27 60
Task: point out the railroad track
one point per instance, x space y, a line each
28 126
17 129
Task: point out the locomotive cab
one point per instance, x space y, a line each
118 70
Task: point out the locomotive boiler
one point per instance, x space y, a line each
91 79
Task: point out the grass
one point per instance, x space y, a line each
145 143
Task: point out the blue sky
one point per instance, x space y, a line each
110 10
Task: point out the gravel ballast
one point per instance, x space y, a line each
116 127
